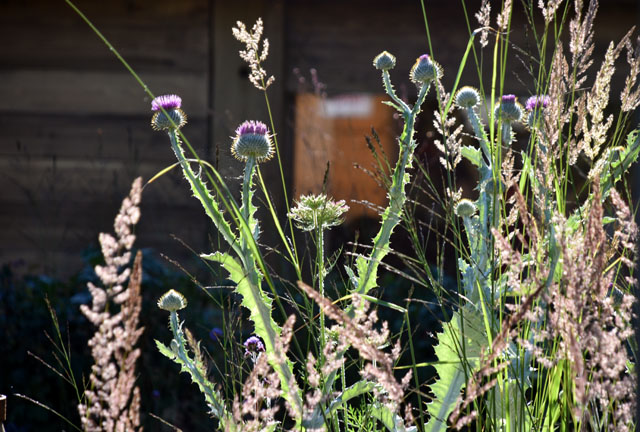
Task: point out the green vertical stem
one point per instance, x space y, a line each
320 258
247 182
397 197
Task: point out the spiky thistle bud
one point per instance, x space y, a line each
317 211
467 97
425 70
172 301
509 109
252 140
174 118
465 208
384 61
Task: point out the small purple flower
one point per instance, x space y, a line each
509 99
167 102
253 345
216 334
155 394
252 127
534 102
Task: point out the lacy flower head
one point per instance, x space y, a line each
317 211
509 109
174 118
252 140
425 70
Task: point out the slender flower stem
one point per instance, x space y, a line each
179 349
397 197
321 271
247 182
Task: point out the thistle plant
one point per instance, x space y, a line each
537 334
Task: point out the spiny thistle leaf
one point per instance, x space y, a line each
259 306
392 421
455 354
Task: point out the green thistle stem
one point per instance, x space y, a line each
321 270
205 386
386 80
247 193
397 198
478 128
202 194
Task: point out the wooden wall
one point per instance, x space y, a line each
74 125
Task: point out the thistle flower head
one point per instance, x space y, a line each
253 345
509 109
384 61
252 140
167 102
172 301
174 118
425 70
317 211
541 101
465 208
467 97
535 105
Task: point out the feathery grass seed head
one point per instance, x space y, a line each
384 61
425 70
467 97
252 140
172 301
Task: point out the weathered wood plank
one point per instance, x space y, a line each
88 92
130 138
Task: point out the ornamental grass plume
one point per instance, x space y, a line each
112 400
252 54
360 333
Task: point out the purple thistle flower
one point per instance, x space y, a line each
252 140
541 101
253 345
252 127
509 99
167 102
